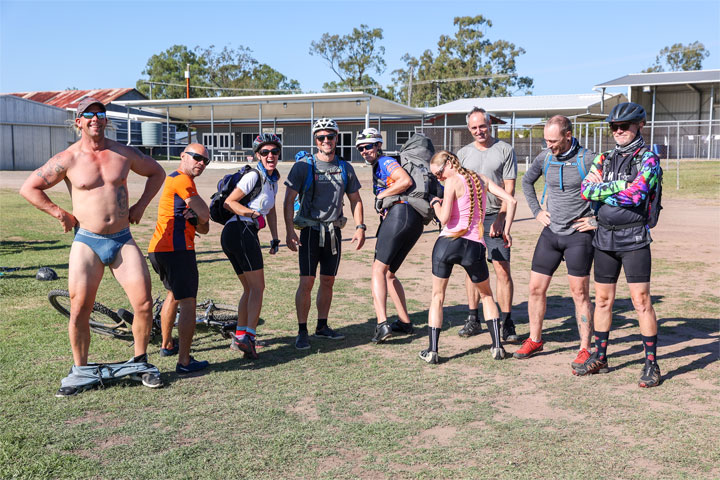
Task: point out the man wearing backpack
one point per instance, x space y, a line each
569 224
181 213
321 181
626 182
496 160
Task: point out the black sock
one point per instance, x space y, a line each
434 337
505 317
302 327
473 312
650 344
601 343
494 329
322 323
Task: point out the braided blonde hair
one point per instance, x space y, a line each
475 186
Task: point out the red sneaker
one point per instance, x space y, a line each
528 349
582 356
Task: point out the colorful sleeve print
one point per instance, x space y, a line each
621 193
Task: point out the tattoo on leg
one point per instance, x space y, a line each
584 318
122 201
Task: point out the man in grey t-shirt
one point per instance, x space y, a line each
320 218
568 234
495 159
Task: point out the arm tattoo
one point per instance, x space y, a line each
122 201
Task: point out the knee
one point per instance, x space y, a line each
502 272
390 276
536 290
438 297
327 282
642 302
580 294
144 308
306 285
603 302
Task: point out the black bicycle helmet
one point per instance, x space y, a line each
46 273
265 139
626 112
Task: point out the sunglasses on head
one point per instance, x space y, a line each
620 126
198 158
90 115
367 146
264 153
322 138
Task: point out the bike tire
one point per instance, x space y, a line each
222 313
103 321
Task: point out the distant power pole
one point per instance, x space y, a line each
187 80
410 85
437 87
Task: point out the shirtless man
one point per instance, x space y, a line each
97 169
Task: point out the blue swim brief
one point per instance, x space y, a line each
106 247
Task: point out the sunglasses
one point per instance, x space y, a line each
367 146
265 153
322 138
90 115
440 172
198 158
620 126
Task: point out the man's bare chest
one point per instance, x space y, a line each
101 170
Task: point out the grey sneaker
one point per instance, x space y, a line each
650 376
327 332
498 353
429 357
472 327
150 380
382 332
302 342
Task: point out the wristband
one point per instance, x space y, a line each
362 226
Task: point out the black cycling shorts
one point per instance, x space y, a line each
468 254
240 243
551 249
178 272
398 233
636 263
496 249
311 253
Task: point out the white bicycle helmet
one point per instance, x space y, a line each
369 135
325 124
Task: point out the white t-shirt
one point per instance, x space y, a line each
265 200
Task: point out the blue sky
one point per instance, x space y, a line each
571 45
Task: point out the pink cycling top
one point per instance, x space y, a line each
461 212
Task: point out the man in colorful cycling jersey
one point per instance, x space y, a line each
567 234
181 213
400 228
623 181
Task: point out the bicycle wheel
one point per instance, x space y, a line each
102 320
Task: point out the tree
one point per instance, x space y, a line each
353 58
680 57
487 68
229 68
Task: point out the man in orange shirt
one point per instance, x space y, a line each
181 213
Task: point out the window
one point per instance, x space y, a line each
344 146
401 137
222 141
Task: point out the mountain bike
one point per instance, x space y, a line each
118 323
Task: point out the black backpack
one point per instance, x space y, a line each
654 202
218 212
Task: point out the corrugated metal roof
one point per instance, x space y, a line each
531 105
664 78
68 99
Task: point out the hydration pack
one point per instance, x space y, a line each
415 157
579 163
309 185
218 212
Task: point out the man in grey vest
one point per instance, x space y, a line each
496 160
569 227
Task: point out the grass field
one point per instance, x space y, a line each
350 409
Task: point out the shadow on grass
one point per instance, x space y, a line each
10 247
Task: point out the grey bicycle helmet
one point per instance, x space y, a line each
264 139
325 124
46 273
369 135
626 112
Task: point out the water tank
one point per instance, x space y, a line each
151 133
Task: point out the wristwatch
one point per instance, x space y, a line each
362 226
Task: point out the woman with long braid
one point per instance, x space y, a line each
461 211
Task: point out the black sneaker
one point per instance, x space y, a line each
192 367
169 352
401 327
472 327
429 357
67 392
592 365
508 331
382 332
302 342
650 375
327 332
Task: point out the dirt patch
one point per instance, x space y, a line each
443 436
